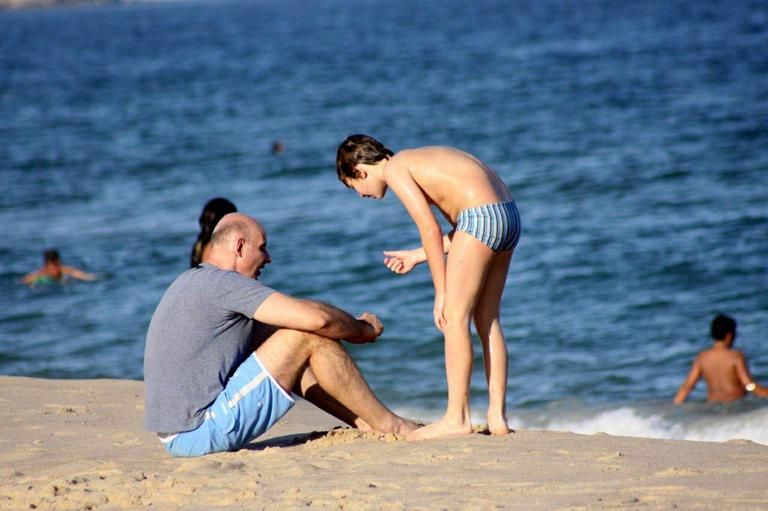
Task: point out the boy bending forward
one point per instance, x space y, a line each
469 285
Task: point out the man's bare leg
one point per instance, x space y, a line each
494 347
468 263
286 355
310 389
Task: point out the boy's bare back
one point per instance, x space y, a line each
723 368
720 369
451 179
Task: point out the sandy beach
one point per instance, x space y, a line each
80 445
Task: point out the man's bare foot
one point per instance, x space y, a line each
498 425
395 425
443 427
362 425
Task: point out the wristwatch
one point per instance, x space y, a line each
750 386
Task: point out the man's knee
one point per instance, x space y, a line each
284 336
295 341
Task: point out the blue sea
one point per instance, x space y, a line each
633 135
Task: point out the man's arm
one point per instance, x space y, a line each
323 319
746 379
689 383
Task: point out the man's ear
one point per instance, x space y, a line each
239 247
363 173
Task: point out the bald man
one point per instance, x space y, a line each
224 352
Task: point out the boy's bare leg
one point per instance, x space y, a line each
492 338
468 263
310 389
288 353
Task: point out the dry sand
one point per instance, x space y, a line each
80 445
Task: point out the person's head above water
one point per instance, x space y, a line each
51 256
358 149
239 243
723 329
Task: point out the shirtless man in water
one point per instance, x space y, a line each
724 369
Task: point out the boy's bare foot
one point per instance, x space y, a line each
498 425
443 427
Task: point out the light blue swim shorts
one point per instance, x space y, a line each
250 404
495 225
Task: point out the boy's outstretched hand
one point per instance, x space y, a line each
400 261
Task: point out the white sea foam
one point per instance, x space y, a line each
627 421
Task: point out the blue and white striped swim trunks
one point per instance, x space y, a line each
496 225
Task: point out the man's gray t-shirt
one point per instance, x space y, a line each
201 331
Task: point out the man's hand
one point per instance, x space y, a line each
400 261
284 311
373 328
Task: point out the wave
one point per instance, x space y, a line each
697 421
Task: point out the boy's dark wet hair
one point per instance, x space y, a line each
51 256
358 149
723 325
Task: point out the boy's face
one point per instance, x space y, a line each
367 186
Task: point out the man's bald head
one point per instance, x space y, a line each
234 226
239 243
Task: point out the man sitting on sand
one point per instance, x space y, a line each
724 369
224 352
53 271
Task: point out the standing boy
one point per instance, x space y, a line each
724 369
486 229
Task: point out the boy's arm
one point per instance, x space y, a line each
689 383
746 379
402 183
285 311
403 261
420 255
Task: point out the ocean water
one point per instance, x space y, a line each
634 137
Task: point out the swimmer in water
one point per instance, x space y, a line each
722 367
53 271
